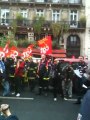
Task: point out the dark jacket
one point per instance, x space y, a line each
85 107
2 117
12 117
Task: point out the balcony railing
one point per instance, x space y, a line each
45 1
29 23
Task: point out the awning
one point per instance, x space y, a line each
58 55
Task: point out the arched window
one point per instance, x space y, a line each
73 45
73 41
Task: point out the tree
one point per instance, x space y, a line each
37 25
59 29
6 38
55 30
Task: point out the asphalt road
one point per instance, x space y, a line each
32 107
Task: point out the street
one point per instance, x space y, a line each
33 107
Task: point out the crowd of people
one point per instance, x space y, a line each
48 75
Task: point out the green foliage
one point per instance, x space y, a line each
59 28
55 29
3 41
64 27
38 23
55 45
19 17
6 38
25 43
22 43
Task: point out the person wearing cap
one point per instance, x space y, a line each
6 113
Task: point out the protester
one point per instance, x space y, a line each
82 66
3 77
41 72
55 80
67 82
6 113
31 74
19 71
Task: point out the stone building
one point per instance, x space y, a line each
71 12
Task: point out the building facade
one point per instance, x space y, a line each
72 12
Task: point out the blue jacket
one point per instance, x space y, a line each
85 107
2 66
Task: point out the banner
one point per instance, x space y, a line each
2 54
14 52
27 52
45 45
6 48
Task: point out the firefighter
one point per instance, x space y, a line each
46 79
41 71
31 74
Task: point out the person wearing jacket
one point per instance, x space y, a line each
67 82
19 71
55 80
41 72
31 74
3 75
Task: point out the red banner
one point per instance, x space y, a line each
27 52
14 52
6 48
2 54
45 45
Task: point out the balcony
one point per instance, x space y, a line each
44 1
75 25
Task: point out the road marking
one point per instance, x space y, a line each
71 100
16 98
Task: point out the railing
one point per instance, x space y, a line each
45 1
29 23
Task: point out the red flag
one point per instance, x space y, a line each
6 48
45 45
27 52
2 54
14 52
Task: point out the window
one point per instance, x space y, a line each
5 16
56 15
4 0
73 18
39 0
73 41
40 12
24 0
55 1
74 1
24 13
